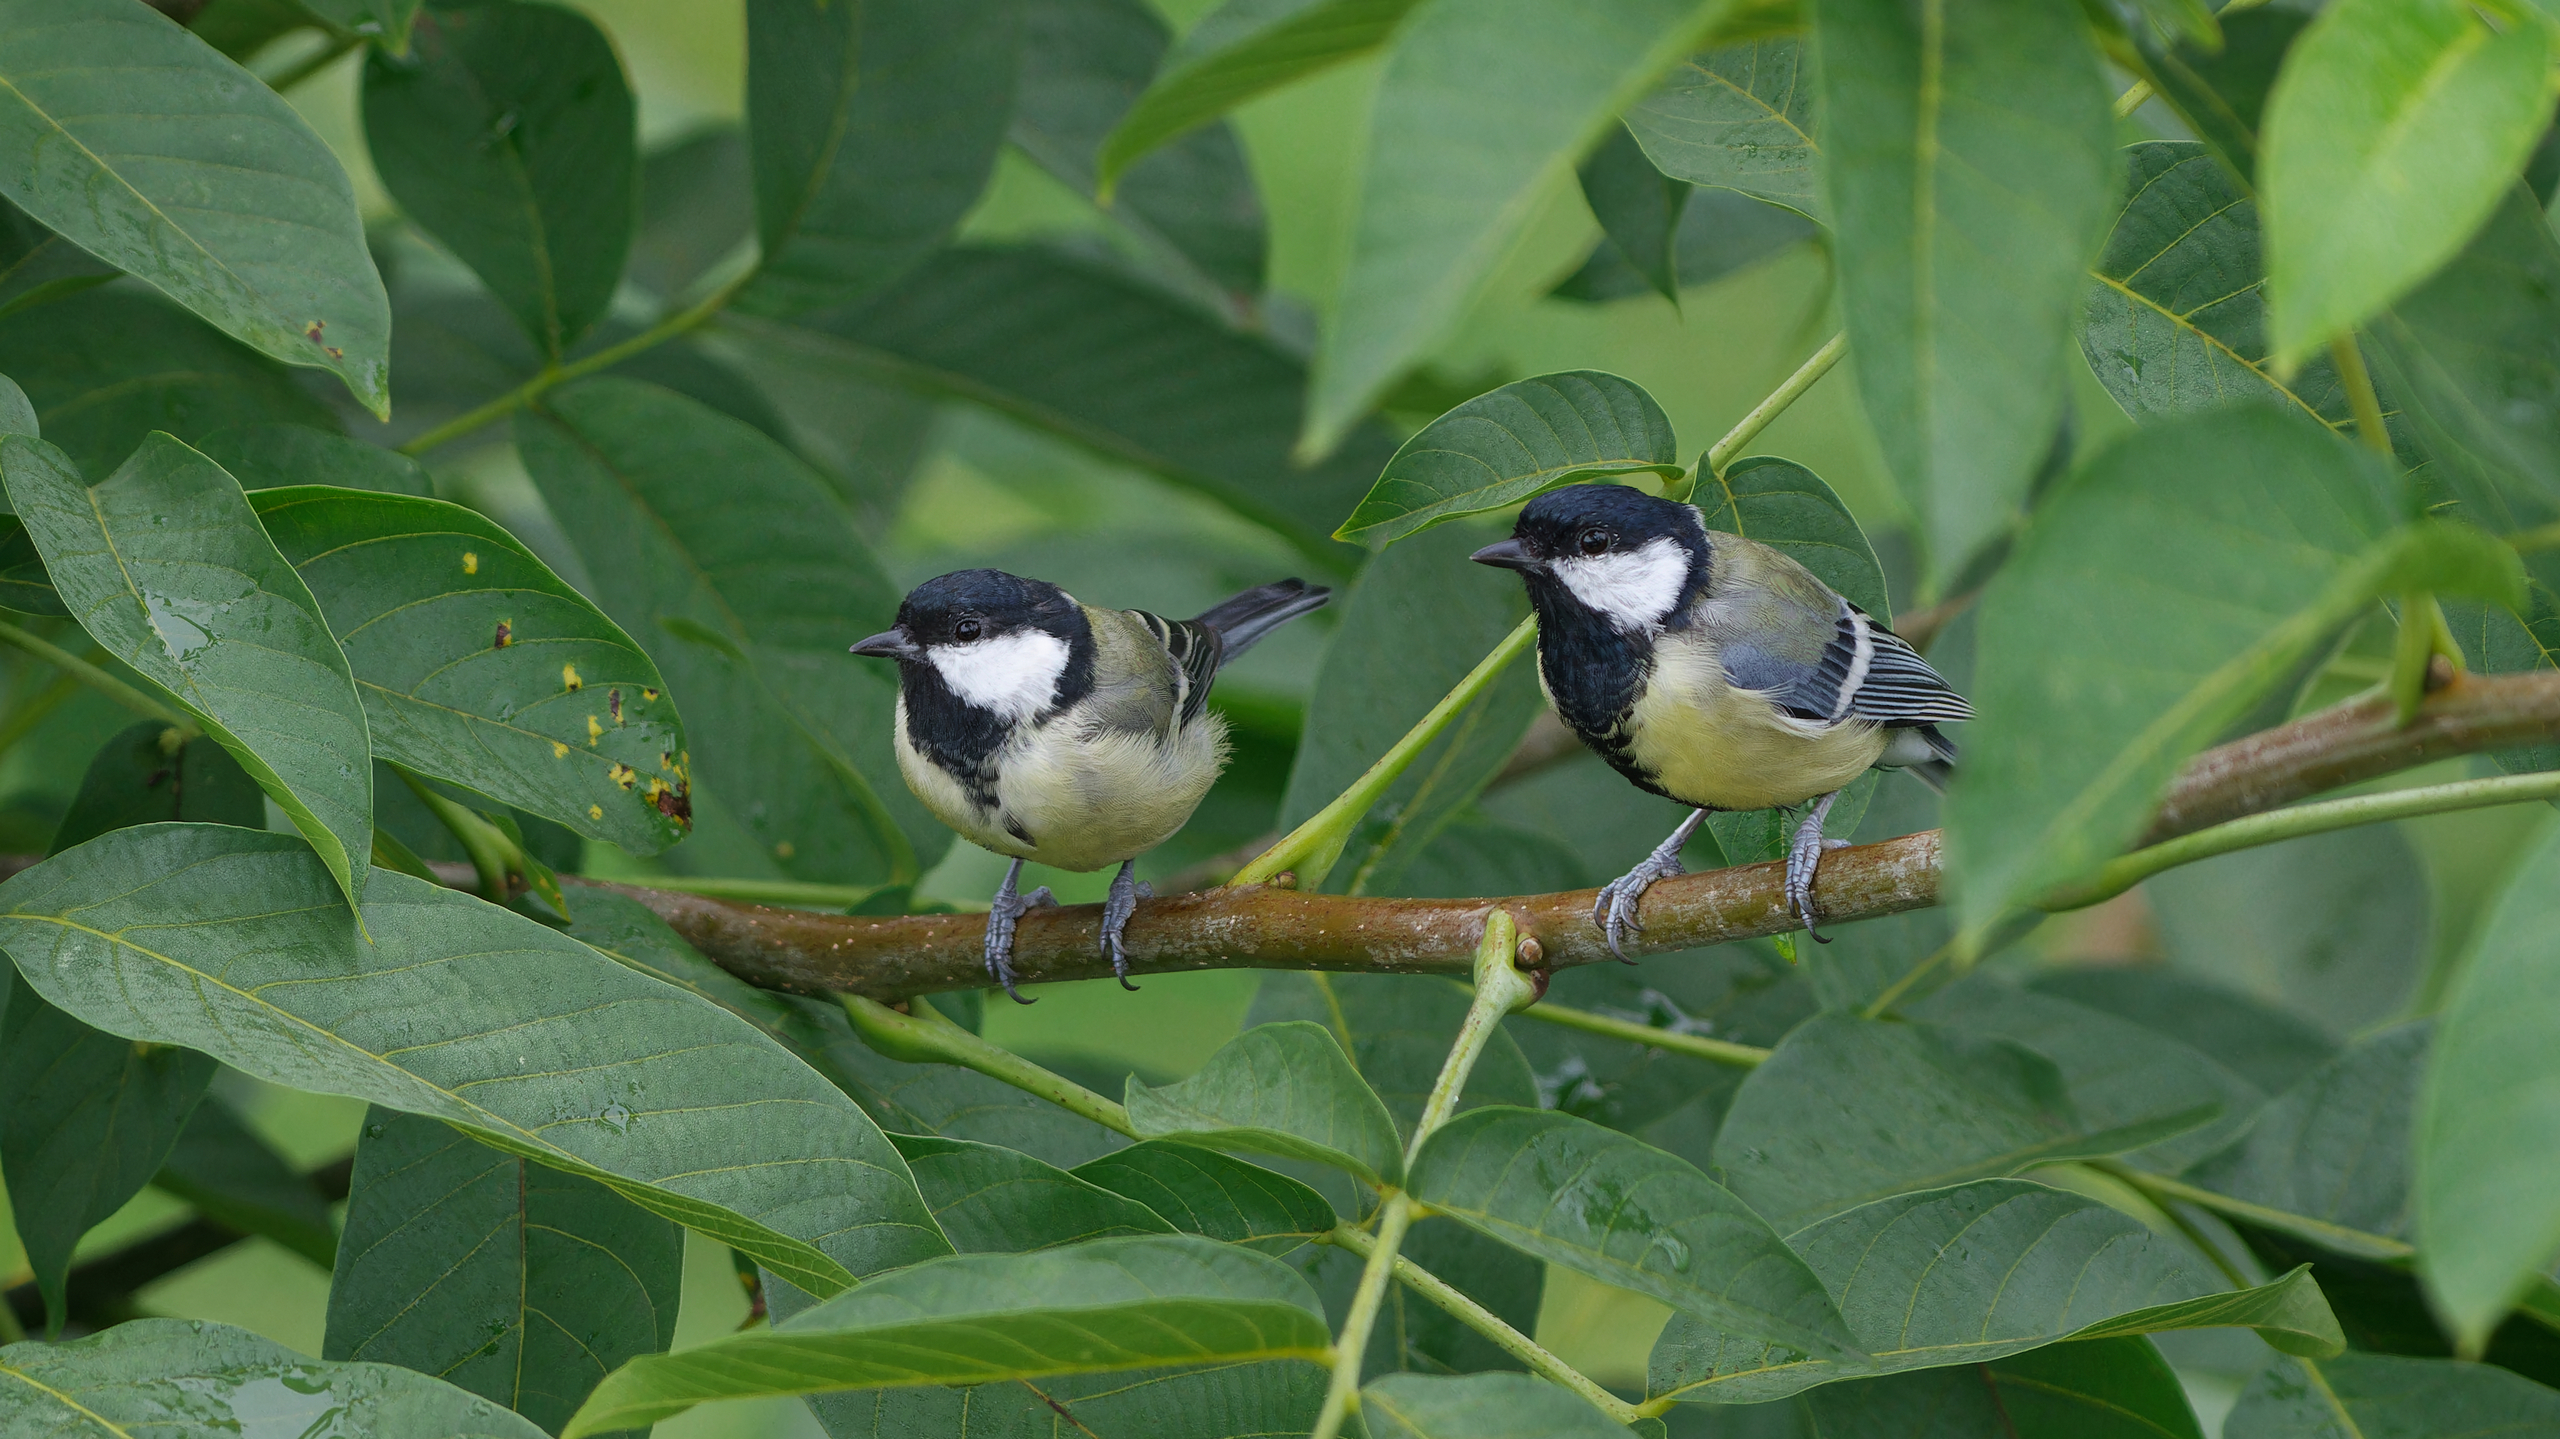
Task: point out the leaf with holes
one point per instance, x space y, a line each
120 128
471 1014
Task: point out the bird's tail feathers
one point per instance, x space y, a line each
1243 620
1934 765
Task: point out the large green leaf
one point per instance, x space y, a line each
1200 1191
183 1376
2336 926
1970 170
474 1015
481 667
748 590
1191 205
1639 208
145 147
873 127
1720 232
1612 1207
516 1282
38 267
274 455
2103 1389
1850 1110
2262 1043
108 367
1418 619
2393 130
1482 106
2222 92
506 133
1479 1406
151 772
1114 365
1510 444
2334 1148
1274 1397
1978 1272
1783 505
1238 51
165 565
992 1200
91 1117
2487 1200
2384 1396
2163 588
2175 312
1738 118
233 1177
1113 1304
1284 1089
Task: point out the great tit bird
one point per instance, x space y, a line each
1047 729
1715 671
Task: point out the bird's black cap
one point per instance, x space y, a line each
1589 520
987 602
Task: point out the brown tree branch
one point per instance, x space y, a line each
1266 927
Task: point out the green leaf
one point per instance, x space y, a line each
38 267
748 592
1787 507
991 1200
1479 1406
1482 105
2163 587
91 1118
108 367
479 666
1112 1304
472 1014
2175 314
1284 1089
148 1376
1416 622
144 776
1512 444
2394 129
2487 1204
1192 207
2384 1396
2104 1389
1740 992
1850 1110
121 129
165 565
697 208
1970 171
2222 92
17 412
1237 51
1112 365
232 1177
2335 1147
2337 926
1200 1191
1738 118
272 456
1271 1397
2263 1044
873 127
1979 1272
2117 1073
1638 207
516 1282
1609 1206
1719 233
505 132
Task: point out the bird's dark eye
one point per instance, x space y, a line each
966 629
1595 542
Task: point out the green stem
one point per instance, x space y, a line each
926 1037
26 714
1500 989
1458 1306
94 677
2133 97
2361 399
2540 537
328 55
2421 623
2126 871
788 892
533 389
1696 1046
490 852
1311 848
1722 452
2354 1242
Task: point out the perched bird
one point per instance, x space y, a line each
1046 729
1715 671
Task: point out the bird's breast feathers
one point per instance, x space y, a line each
1072 793
1704 741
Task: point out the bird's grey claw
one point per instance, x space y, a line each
1123 901
1001 921
1804 861
1040 898
1615 912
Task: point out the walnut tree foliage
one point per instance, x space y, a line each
379 562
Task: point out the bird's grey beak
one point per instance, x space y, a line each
1508 555
890 644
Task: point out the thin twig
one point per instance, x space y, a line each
1748 428
1696 1046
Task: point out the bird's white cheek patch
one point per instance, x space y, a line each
1014 675
1636 591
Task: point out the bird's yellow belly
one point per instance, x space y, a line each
1710 744
1085 804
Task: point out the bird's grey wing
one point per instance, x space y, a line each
1861 669
1195 650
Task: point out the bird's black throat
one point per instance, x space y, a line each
961 738
1593 670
